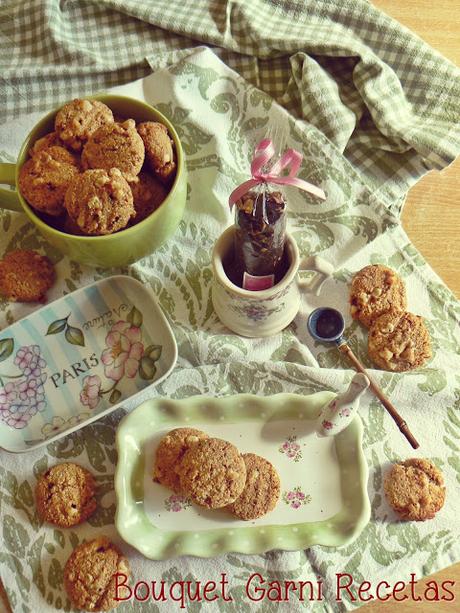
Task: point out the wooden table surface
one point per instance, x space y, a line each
431 218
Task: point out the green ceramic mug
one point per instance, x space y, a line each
123 247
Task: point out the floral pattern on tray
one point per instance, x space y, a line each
291 448
176 503
295 498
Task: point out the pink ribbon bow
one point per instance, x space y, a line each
263 154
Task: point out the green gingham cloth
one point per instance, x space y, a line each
385 99
372 108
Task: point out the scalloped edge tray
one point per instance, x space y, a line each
134 431
71 335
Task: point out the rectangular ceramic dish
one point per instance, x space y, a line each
79 358
323 480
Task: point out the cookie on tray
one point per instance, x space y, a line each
77 120
261 491
26 276
170 452
159 150
375 290
65 495
212 473
100 202
89 575
117 145
399 341
45 177
415 489
148 194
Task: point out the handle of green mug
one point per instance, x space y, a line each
9 199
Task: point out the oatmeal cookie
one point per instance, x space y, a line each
65 495
212 473
45 177
79 119
89 575
117 145
375 290
148 194
261 491
159 150
399 341
26 276
100 202
170 452
45 142
415 489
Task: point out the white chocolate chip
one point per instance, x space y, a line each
101 180
376 292
408 354
388 328
386 354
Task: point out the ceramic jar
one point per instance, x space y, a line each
266 312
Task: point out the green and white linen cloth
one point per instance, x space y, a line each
371 108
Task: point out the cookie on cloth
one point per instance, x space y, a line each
77 120
170 452
65 495
89 575
159 150
212 473
399 341
261 490
116 145
99 202
148 194
415 489
375 290
25 276
45 177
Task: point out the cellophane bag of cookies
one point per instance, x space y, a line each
260 221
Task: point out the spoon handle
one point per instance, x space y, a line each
400 422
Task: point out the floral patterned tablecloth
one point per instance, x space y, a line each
219 118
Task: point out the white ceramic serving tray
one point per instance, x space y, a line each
323 499
79 358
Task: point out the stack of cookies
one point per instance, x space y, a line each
95 174
398 340
214 474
